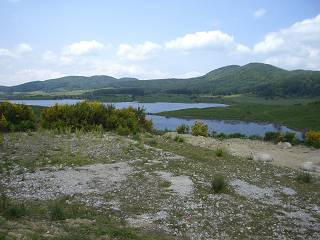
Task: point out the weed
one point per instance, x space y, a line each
220 152
178 139
165 184
304 177
56 211
219 184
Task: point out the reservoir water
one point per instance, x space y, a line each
165 123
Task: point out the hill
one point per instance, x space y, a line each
256 78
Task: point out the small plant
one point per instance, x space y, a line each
178 139
289 137
219 184
272 136
304 177
199 129
183 129
255 137
165 184
220 152
1 139
10 209
56 211
124 131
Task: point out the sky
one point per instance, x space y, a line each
44 39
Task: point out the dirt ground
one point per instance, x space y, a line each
294 157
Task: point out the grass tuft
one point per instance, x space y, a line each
304 177
219 184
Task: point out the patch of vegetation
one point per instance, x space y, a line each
199 129
10 209
165 184
179 139
219 184
16 117
220 152
304 177
90 115
313 138
304 116
56 210
280 137
183 129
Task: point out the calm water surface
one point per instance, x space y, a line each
162 123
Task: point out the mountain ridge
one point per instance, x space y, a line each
258 78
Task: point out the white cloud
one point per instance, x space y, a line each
27 75
201 40
259 13
18 51
83 47
138 52
6 53
23 48
297 46
190 74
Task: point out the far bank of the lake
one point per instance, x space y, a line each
299 117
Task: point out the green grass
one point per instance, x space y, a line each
304 177
294 116
219 184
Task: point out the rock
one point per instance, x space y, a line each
264 157
284 145
310 167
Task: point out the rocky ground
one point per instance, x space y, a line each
104 186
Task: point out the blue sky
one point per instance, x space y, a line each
153 39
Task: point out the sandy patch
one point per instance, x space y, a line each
45 185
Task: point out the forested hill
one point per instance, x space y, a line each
257 78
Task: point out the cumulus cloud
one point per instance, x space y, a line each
190 74
201 40
83 47
295 46
27 75
209 40
5 53
23 48
138 52
259 13
16 52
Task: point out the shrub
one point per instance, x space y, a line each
272 136
183 129
199 129
219 184
124 131
289 137
93 116
178 139
304 177
255 137
313 136
4 126
280 137
16 117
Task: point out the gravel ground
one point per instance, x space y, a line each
159 185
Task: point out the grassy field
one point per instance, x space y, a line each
299 116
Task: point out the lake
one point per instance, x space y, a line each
164 123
